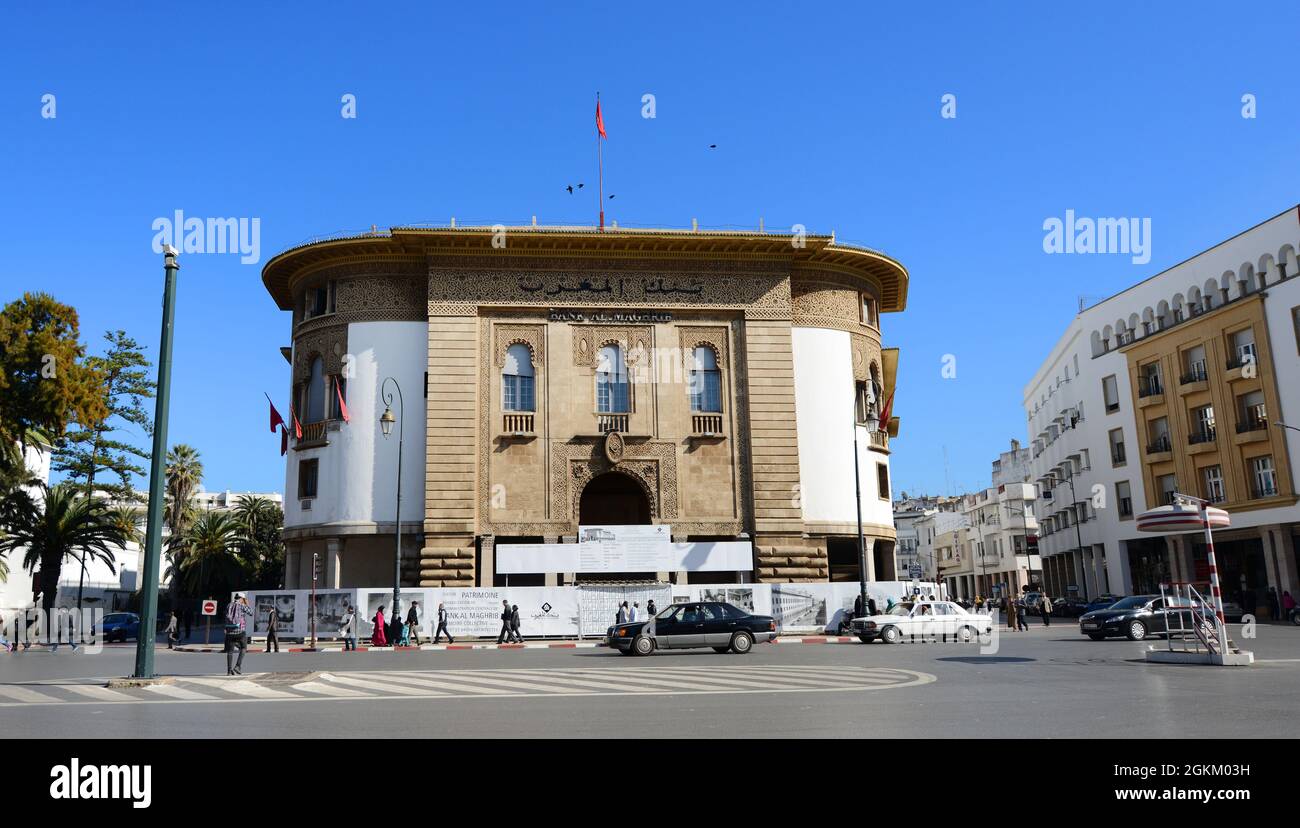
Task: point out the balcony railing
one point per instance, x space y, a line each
1205 435
517 422
313 432
611 422
880 439
1161 444
1196 373
1252 424
1264 491
1150 387
706 425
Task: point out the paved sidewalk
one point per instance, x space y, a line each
550 644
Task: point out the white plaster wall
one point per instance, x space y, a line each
358 469
823 392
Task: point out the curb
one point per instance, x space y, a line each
566 645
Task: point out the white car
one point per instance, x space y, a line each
922 619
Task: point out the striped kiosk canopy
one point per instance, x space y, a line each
1180 517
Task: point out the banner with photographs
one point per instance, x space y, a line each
283 604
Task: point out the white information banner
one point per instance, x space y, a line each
710 556
624 548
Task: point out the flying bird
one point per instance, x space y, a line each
713 146
611 195
570 189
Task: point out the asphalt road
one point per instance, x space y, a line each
1044 683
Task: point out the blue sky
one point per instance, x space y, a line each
828 116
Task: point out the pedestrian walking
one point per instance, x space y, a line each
237 615
650 608
505 623
857 605
621 617
173 630
272 629
871 606
379 636
413 622
1288 605
1011 615
349 628
979 603
442 626
1273 605
1022 624
5 643
514 624
1045 608
633 615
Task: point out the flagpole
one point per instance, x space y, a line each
600 163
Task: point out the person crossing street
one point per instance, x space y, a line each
237 615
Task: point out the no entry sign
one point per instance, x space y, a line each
209 607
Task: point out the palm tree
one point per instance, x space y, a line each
184 474
250 510
64 526
212 552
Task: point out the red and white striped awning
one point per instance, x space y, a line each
1180 518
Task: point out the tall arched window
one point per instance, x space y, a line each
517 389
706 381
612 391
316 392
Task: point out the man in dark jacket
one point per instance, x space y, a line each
413 622
514 624
442 626
272 630
505 622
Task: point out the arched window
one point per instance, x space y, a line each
612 392
315 403
706 381
517 389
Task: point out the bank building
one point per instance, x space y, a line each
556 389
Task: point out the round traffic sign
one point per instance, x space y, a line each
209 607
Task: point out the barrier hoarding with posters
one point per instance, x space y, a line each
610 555
598 605
476 612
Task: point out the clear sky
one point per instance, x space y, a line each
827 116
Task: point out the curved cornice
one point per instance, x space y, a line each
807 254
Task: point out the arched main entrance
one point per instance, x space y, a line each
613 499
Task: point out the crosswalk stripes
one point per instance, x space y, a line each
642 678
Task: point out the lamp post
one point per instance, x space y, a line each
144 643
1024 532
386 423
1078 533
1281 424
857 500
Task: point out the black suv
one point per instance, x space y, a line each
700 624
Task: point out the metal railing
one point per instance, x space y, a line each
1196 373
313 432
1161 444
1252 424
1205 435
1198 627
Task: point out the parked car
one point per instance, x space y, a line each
1135 618
1070 607
1102 601
924 618
119 626
1232 611
703 624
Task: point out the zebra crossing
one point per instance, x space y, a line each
650 679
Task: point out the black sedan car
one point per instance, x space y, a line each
703 624
1136 618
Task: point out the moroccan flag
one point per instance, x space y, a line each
276 419
343 407
600 122
297 426
886 411
284 440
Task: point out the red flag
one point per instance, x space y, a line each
284 440
600 122
343 407
276 419
297 426
888 409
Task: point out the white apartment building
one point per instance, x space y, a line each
1182 382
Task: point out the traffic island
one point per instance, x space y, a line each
1240 658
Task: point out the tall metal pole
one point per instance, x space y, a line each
857 499
397 557
157 477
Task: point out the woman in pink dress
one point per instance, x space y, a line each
379 637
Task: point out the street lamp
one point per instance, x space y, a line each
1024 527
1281 424
386 424
144 643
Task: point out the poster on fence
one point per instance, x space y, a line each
598 605
476 612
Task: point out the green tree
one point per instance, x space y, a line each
212 561
64 526
91 455
44 383
262 549
92 449
184 476
17 482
